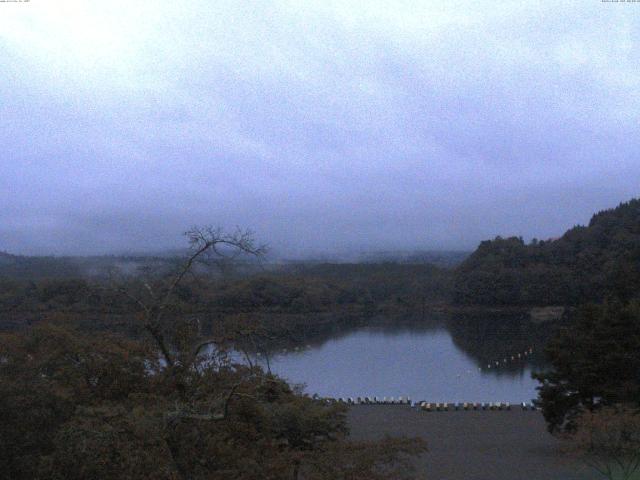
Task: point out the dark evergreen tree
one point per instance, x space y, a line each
595 362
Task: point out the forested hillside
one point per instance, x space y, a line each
585 264
22 267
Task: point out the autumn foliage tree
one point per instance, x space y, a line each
171 405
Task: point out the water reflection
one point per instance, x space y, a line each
441 358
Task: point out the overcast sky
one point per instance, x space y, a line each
322 125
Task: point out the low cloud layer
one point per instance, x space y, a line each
321 125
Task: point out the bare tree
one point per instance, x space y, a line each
154 296
207 246
608 440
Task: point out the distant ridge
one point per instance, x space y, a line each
587 263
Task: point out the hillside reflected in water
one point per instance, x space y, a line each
440 358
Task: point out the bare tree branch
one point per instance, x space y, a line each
203 241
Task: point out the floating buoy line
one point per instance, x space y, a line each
433 406
442 406
496 364
446 406
510 359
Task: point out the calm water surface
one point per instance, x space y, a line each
436 363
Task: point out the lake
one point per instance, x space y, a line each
451 360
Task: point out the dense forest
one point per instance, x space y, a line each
588 263
593 357
24 267
168 402
300 296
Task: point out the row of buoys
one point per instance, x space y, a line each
445 407
433 406
512 358
375 401
497 363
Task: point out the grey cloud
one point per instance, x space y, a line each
321 125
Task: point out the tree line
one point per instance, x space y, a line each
588 263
